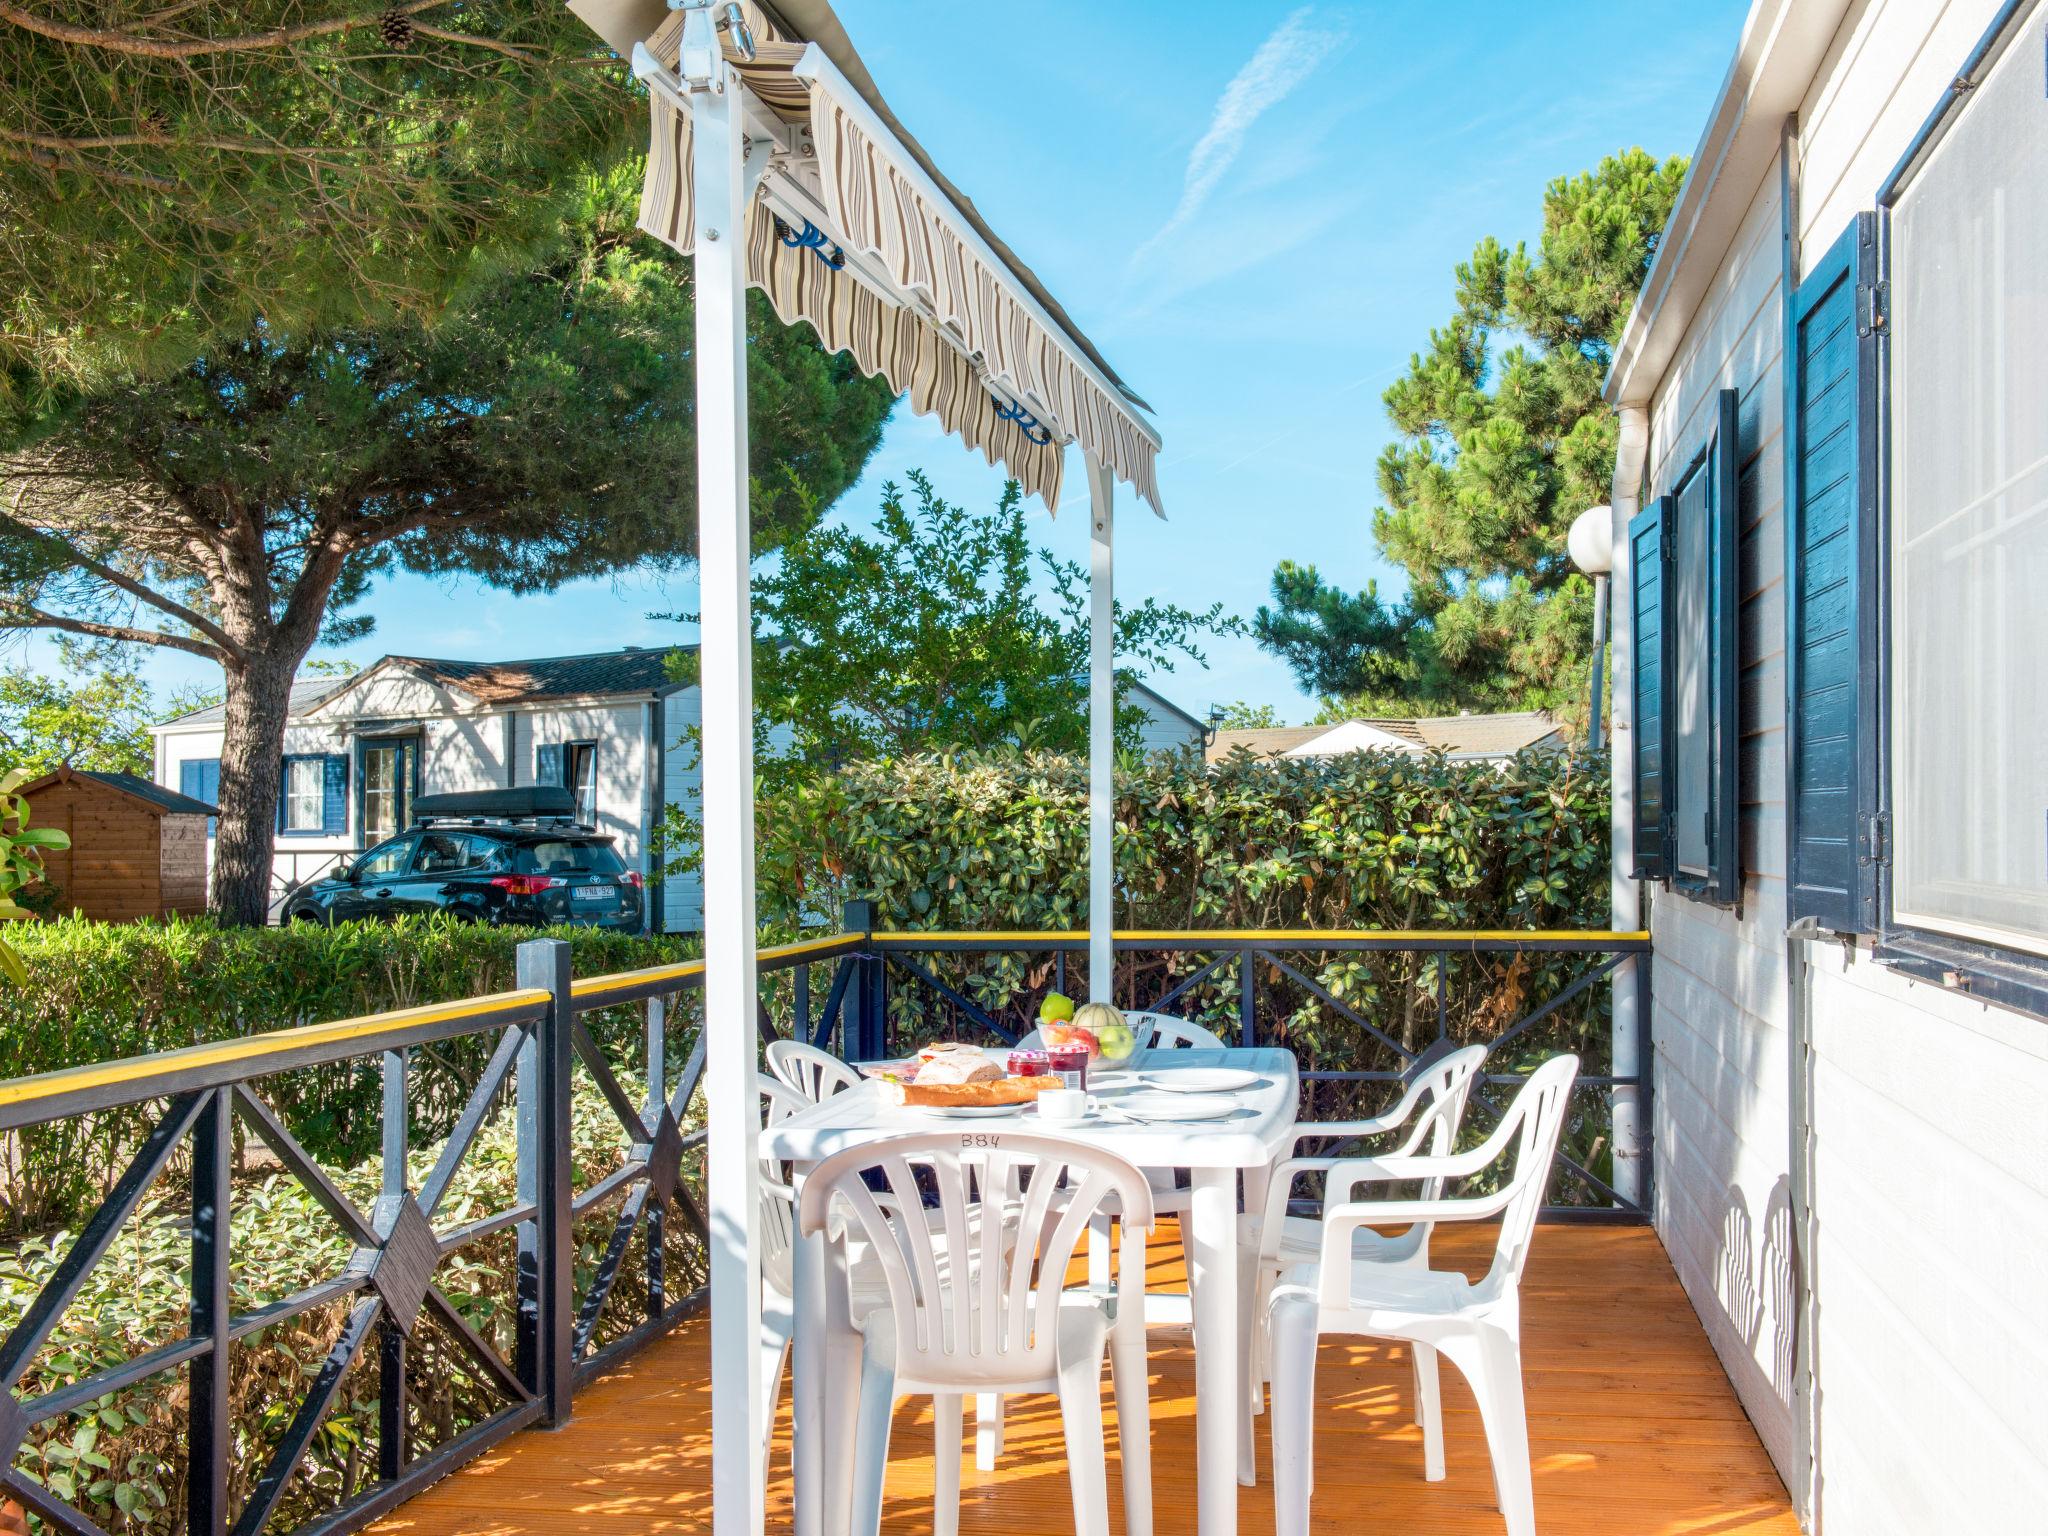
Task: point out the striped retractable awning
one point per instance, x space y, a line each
920 292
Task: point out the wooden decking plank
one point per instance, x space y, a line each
1634 1431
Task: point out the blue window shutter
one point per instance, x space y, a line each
1649 543
284 791
1724 843
334 796
199 777
1831 482
548 765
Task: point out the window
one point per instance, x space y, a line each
1684 607
567 858
302 795
583 780
390 772
447 853
1967 524
572 765
313 797
387 862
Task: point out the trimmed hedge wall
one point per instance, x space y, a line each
103 991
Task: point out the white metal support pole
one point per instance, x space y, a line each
1625 909
726 660
1101 736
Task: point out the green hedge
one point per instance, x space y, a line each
103 991
1373 840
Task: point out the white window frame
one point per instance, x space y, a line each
2010 51
296 798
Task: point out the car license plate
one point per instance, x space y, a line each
589 893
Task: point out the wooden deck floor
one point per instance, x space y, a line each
1634 1431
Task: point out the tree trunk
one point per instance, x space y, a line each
259 696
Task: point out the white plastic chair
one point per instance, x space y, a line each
811 1072
1427 1117
980 1305
1477 1325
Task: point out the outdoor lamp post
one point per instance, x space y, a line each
1591 543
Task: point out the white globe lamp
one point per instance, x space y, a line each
1591 546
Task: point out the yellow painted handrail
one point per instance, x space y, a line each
252 1048
1420 937
684 970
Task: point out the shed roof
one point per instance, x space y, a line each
154 797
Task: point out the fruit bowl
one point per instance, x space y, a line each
1114 1039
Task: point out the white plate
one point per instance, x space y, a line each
1163 1110
1114 1077
1201 1079
970 1111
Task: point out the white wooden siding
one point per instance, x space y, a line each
1164 729
1930 1111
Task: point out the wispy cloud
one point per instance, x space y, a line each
1286 58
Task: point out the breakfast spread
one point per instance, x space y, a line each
949 1075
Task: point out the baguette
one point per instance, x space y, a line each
1003 1090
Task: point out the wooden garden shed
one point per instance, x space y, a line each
137 849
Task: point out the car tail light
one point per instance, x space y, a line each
523 885
635 879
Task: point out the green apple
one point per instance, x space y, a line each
1056 1009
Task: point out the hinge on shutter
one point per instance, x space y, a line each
1877 840
1873 304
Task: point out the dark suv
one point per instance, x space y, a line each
513 857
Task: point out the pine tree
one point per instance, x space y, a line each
1504 439
542 430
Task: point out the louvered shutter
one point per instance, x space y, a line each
1831 587
1649 543
334 796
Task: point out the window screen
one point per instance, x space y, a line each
1969 534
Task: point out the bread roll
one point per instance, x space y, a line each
957 1067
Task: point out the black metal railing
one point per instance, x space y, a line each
544 1077
601 1254
1359 1009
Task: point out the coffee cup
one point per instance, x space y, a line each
1063 1104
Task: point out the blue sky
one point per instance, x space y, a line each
1254 212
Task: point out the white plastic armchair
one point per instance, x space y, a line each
1476 1324
1427 1118
976 1304
815 1074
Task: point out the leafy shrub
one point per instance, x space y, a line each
1371 840
104 991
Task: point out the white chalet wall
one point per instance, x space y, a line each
1929 1116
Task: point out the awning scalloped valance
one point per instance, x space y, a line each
937 316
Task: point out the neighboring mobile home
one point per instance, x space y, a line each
1462 738
1831 747
612 726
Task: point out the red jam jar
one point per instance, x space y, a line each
1029 1063
1071 1063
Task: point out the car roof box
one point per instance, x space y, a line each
533 802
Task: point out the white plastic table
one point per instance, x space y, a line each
1213 1152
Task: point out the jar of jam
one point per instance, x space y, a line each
1070 1062
1029 1063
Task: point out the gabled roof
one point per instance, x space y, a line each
154 797
305 694
634 669
1500 735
